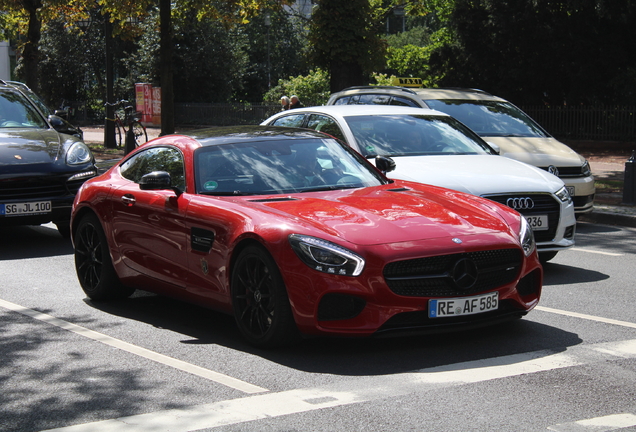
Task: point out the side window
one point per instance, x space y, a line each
167 159
325 124
342 101
290 121
374 99
402 101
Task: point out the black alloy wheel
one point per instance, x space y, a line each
93 263
259 299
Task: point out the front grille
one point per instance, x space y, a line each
38 187
569 172
432 276
544 204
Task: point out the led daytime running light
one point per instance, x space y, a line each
327 257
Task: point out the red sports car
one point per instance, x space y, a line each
296 234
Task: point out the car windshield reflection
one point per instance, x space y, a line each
271 167
16 112
413 135
490 118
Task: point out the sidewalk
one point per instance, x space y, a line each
608 164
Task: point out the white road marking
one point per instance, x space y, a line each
350 392
139 351
598 424
596 251
587 317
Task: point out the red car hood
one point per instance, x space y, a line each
381 215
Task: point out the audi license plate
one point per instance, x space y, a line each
438 308
538 222
28 208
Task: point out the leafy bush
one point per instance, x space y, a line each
311 89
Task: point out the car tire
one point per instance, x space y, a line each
93 263
544 257
259 300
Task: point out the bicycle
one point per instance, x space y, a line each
131 120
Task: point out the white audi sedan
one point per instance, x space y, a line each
433 148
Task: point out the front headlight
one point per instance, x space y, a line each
325 256
526 237
78 154
586 170
563 195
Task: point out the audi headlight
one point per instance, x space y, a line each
563 194
325 256
526 237
78 154
586 170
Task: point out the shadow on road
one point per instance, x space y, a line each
22 242
345 356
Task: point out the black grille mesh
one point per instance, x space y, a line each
38 187
544 204
431 277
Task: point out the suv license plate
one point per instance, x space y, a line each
438 308
27 208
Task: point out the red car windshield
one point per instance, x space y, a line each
280 167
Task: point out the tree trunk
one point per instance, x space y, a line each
30 54
345 75
166 53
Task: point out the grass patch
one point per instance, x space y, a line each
608 186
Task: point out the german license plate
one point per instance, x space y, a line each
27 208
438 308
538 222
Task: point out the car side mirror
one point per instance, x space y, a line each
495 147
62 126
158 180
384 164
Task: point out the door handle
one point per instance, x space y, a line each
128 200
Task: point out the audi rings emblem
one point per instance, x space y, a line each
520 203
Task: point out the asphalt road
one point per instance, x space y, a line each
154 364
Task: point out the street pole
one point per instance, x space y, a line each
109 127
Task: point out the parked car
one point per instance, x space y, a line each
40 168
59 123
295 233
432 147
498 122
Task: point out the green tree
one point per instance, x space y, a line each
345 41
542 51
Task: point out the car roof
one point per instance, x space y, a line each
254 133
357 110
456 93
422 93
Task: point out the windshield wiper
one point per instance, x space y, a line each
329 188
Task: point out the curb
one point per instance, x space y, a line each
608 218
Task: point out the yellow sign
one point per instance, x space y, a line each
407 82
